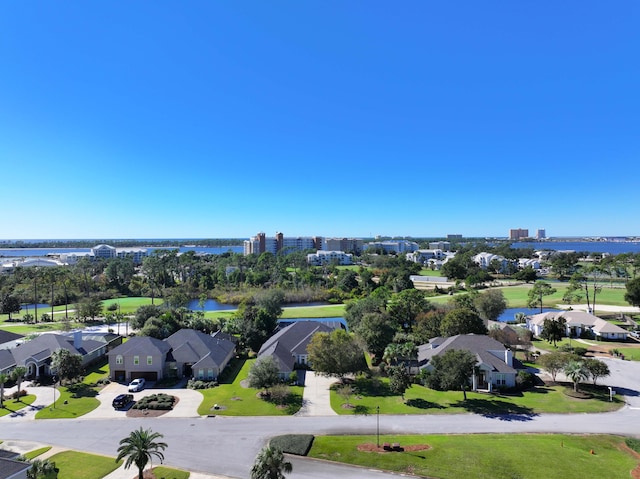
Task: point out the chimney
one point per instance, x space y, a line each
77 339
508 357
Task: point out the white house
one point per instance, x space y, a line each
577 322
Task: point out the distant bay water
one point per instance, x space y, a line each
611 247
42 252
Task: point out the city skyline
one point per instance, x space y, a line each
219 120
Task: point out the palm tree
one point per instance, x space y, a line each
3 379
270 464
18 375
576 371
139 448
40 469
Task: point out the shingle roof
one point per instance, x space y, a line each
8 336
292 340
190 346
478 344
6 359
10 468
41 347
141 345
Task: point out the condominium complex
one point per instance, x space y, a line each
518 234
261 243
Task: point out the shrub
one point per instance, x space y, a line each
633 443
298 444
18 394
197 384
525 379
579 350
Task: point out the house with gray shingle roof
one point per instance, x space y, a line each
288 346
496 366
10 467
35 354
186 353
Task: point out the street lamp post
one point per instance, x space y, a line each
54 392
377 426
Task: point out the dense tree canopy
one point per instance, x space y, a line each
451 370
336 354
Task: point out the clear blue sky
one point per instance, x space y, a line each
217 119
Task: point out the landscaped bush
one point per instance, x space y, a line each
298 444
197 384
525 380
18 394
579 350
163 402
633 443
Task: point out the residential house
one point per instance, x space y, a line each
496 367
186 353
288 346
577 323
35 354
10 467
200 355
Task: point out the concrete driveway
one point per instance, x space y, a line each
315 397
188 401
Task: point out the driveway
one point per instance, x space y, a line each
188 401
315 397
44 398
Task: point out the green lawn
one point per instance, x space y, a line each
10 405
80 465
80 398
236 400
169 473
36 452
487 456
326 311
373 393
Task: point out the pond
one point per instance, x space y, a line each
510 313
213 305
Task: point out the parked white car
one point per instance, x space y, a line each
136 385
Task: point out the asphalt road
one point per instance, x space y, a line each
228 445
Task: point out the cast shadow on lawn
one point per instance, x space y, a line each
496 409
231 372
82 390
423 404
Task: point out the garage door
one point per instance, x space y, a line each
147 375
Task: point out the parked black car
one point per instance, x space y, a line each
122 400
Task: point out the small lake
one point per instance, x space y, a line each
509 313
213 305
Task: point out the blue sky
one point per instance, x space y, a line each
218 119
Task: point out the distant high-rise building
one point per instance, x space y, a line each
263 244
518 234
541 234
455 237
348 245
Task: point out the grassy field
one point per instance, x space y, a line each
11 405
487 456
80 465
237 400
373 393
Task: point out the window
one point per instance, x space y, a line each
200 373
136 360
149 360
119 359
500 380
210 373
